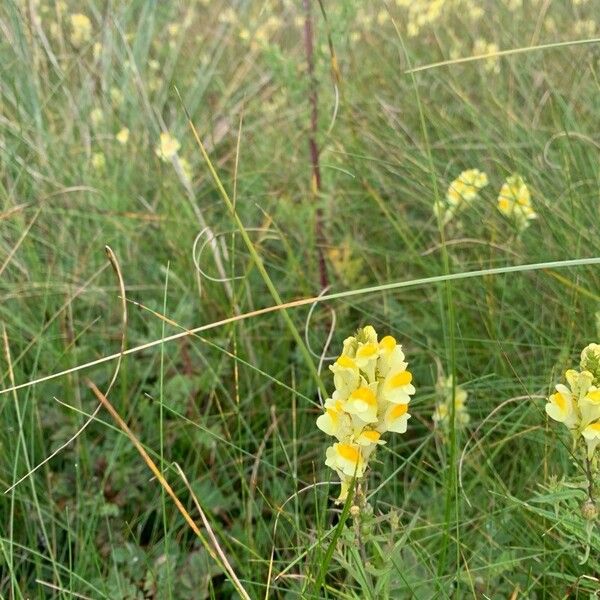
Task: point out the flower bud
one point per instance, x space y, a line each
590 361
589 510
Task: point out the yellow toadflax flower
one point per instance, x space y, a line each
443 408
122 136
168 147
81 29
371 397
514 202
98 161
461 194
591 435
578 406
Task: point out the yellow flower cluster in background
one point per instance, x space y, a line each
443 408
81 29
461 193
514 201
372 391
577 405
168 147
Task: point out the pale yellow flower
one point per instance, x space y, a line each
514 201
481 47
396 418
397 387
346 376
98 161
81 29
186 168
96 117
591 435
335 421
346 458
462 192
443 409
562 408
122 136
116 96
362 403
577 405
168 147
227 16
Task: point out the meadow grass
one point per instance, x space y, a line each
226 408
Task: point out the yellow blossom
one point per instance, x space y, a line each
461 194
98 161
96 116
591 435
116 96
443 409
168 147
123 136
577 405
481 47
346 458
81 29
514 201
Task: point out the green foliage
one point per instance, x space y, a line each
235 406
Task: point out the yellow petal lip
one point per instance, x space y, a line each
367 350
594 396
371 435
346 362
348 452
559 400
400 379
388 343
398 411
364 394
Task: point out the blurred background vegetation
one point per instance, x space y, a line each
87 88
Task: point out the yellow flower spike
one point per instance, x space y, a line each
514 202
358 413
442 412
591 434
396 418
461 193
362 403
